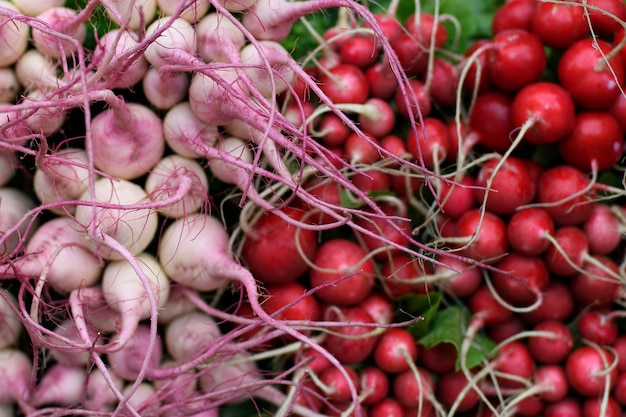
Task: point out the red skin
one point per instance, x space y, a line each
490 241
550 108
409 392
573 242
424 104
444 83
344 83
439 359
491 120
347 343
596 138
586 370
359 150
618 39
602 230
583 72
522 279
620 348
478 68
283 263
325 190
372 180
387 407
595 285
382 81
333 130
395 230
551 350
380 120
509 328
618 109
558 25
466 279
360 50
340 388
279 296
411 54
430 142
527 230
423 29
597 327
558 304
393 348
487 309
389 26
514 14
559 183
397 270
455 200
342 256
449 387
514 359
592 407
604 25
375 382
379 307
619 390
553 378
516 59
568 407
512 185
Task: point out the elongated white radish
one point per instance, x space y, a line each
185 133
166 178
116 210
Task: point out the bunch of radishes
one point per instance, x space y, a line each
192 219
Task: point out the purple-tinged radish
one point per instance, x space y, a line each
177 304
164 90
218 38
35 70
192 12
15 376
9 85
173 173
10 323
99 396
253 58
14 34
41 119
114 47
133 13
135 356
176 41
189 334
60 385
139 395
14 205
59 20
8 163
185 133
69 354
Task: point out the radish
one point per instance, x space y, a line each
133 13
192 12
98 394
140 397
127 140
34 8
218 38
602 230
112 60
44 120
14 206
14 35
52 254
16 373
8 163
64 344
185 133
35 70
9 85
11 327
175 41
60 385
61 177
177 304
187 335
63 21
374 385
253 60
351 343
164 90
115 212
132 296
590 370
171 176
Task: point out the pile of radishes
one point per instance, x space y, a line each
194 223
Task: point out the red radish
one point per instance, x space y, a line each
551 349
361 150
527 231
169 177
62 20
374 385
115 212
485 233
379 307
598 282
486 309
590 79
509 184
372 181
520 279
558 304
381 79
564 191
506 330
602 230
332 130
619 391
491 120
119 70
351 343
411 54
596 142
385 230
376 117
14 206
425 27
429 142
279 252
402 274
387 407
60 385
513 362
462 279
394 350
568 407
477 78
389 25
558 25
185 133
604 24
127 140
590 371
415 102
343 272
53 252
597 407
414 389
164 90
336 388
344 83
516 59
452 392
569 251
457 198
548 108
444 82
289 302
360 50
438 359
514 14
552 382
597 327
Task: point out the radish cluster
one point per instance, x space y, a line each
191 219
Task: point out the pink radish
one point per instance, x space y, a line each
44 120
8 163
14 206
9 85
192 12
165 89
218 38
176 41
132 13
139 353
59 20
177 304
61 177
115 211
36 70
170 174
185 133
15 376
60 385
253 59
64 344
127 140
98 395
11 325
188 335
114 63
139 395
127 293
33 8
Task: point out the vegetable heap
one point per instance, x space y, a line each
315 208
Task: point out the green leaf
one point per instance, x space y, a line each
450 326
424 306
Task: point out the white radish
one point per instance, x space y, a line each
220 98
44 120
8 163
254 59
218 38
120 71
230 173
166 179
189 334
133 13
69 353
99 396
141 394
185 133
53 252
127 140
115 211
36 7
14 206
179 388
61 177
127 293
34 70
194 10
10 323
59 21
128 361
177 304
60 385
15 375
175 41
13 35
164 90
9 85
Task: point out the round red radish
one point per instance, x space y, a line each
400 274
561 189
595 407
488 233
421 103
558 25
513 14
457 198
514 361
602 230
571 241
558 304
438 359
527 230
586 369
596 327
595 284
360 50
491 120
395 349
337 387
412 389
374 385
422 26
344 83
429 142
382 81
551 349
463 278
290 299
274 254
521 279
351 343
486 308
